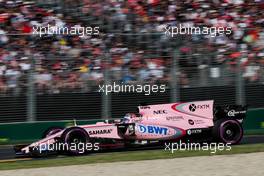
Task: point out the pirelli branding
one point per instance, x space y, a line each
102 131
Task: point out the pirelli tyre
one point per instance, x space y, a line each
228 131
50 131
75 139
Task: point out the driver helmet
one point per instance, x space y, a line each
128 117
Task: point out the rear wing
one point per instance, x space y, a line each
230 111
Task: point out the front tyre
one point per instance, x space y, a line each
76 139
228 131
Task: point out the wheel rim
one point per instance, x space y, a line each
75 138
230 131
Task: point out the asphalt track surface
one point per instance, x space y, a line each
7 152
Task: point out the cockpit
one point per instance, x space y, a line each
129 117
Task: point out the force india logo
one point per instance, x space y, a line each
153 129
104 131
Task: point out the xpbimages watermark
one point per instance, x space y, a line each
73 30
172 31
189 146
137 88
80 147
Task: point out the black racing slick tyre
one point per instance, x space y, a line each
76 139
228 131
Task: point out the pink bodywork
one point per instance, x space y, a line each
157 122
177 117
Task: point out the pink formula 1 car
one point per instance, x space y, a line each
198 120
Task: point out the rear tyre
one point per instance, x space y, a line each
228 131
76 139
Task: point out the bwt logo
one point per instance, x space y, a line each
160 112
153 129
193 107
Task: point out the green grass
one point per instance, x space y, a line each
123 156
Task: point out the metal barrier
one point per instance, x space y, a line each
33 92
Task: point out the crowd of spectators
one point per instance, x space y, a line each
131 45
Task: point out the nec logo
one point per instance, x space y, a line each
160 112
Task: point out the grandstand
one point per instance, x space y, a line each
131 49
